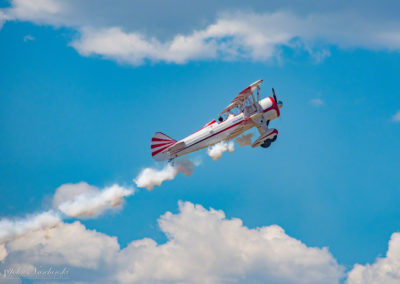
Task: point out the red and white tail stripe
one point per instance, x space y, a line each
160 142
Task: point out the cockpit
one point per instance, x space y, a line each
223 117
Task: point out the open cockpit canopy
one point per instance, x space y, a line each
238 101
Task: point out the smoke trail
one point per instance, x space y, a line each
215 151
244 140
84 200
150 177
11 229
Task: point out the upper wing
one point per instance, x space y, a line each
242 96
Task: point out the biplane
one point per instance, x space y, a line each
243 113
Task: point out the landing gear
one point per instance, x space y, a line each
268 142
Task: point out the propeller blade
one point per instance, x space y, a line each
273 93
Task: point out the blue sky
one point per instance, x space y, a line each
81 112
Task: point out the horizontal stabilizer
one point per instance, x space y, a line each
176 147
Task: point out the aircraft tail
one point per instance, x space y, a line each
159 143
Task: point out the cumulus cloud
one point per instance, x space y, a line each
396 117
135 48
232 36
216 151
74 200
229 36
150 177
317 102
84 200
240 36
244 140
227 250
384 270
67 244
37 11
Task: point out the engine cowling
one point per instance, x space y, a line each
270 108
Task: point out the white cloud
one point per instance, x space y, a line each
37 11
216 151
202 247
83 200
230 36
240 36
75 200
228 252
66 244
150 177
317 102
396 117
135 48
384 270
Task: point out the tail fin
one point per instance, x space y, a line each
159 143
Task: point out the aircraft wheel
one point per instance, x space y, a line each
266 143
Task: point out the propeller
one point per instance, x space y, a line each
273 93
278 103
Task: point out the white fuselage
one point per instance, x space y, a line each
215 132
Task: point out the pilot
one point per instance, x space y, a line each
220 119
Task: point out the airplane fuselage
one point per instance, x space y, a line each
215 132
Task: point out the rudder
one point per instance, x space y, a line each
159 143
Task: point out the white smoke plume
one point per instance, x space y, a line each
11 229
84 200
244 140
215 151
150 177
